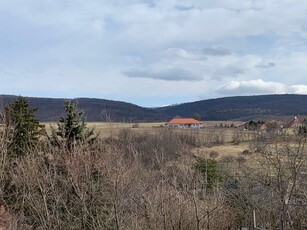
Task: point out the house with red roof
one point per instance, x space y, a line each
184 123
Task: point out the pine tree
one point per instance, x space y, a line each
23 127
208 169
72 128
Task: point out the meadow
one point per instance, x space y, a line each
107 129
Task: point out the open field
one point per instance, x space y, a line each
105 125
106 129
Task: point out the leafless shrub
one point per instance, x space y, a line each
227 162
237 136
61 191
247 152
190 139
228 159
213 154
241 160
282 163
155 149
215 136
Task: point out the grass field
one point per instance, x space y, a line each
106 129
107 126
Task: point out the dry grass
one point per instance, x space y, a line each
109 129
106 129
228 149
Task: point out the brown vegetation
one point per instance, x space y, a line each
154 180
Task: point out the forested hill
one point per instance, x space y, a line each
95 109
229 108
241 107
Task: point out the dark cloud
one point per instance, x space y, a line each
173 74
266 66
217 51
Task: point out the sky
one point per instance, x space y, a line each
153 52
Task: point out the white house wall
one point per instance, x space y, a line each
185 126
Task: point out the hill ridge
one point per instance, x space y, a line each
225 108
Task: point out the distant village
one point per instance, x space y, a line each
298 123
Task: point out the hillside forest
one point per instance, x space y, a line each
241 108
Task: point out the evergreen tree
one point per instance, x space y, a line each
22 126
209 171
72 128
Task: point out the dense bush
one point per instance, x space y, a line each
127 185
82 189
61 192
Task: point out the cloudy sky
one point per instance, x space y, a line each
153 52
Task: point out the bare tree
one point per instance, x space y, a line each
282 163
109 119
237 136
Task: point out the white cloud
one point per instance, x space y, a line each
174 53
299 89
259 86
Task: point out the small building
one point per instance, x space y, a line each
263 128
184 123
297 122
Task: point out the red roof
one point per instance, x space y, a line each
184 121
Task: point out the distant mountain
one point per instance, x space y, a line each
229 108
95 109
241 107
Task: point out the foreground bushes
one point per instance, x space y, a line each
59 191
152 181
147 182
